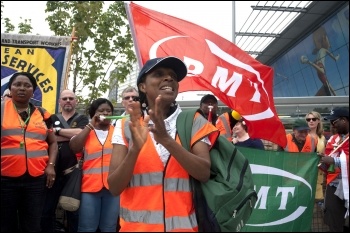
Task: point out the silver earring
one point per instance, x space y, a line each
143 105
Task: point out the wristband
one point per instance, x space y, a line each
51 163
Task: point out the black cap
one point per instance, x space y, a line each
173 63
300 124
208 97
337 113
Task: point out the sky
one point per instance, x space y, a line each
216 16
213 15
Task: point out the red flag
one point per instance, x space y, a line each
214 64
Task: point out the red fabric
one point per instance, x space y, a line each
214 64
210 116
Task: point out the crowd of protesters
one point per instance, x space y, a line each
122 158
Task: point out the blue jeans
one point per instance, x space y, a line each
98 210
48 219
22 201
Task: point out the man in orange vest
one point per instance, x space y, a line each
209 106
300 140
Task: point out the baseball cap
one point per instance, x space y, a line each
337 112
300 124
208 97
173 63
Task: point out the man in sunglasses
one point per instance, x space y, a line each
66 124
335 163
129 95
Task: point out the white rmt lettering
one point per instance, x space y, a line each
284 197
198 66
263 194
220 80
228 58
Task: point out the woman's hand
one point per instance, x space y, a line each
138 127
157 116
50 175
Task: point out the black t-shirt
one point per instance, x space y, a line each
66 158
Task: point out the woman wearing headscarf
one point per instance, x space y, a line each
28 155
150 170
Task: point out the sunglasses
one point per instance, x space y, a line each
335 121
134 98
313 119
67 98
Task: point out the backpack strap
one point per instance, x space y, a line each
184 124
64 122
41 110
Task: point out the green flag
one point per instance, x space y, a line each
285 184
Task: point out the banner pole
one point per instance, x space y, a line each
69 59
133 32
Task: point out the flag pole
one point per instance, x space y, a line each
73 38
233 22
133 32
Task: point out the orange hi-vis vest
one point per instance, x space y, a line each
158 198
23 148
96 162
331 144
309 146
223 125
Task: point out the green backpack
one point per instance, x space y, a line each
225 202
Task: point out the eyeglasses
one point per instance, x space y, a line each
134 98
67 98
335 121
313 119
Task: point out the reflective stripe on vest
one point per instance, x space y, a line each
96 162
23 149
156 217
156 178
225 121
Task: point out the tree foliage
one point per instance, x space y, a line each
24 27
103 40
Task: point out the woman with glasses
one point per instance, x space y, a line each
315 124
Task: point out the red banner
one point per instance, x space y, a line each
213 64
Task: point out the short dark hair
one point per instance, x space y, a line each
208 97
96 103
27 74
129 89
